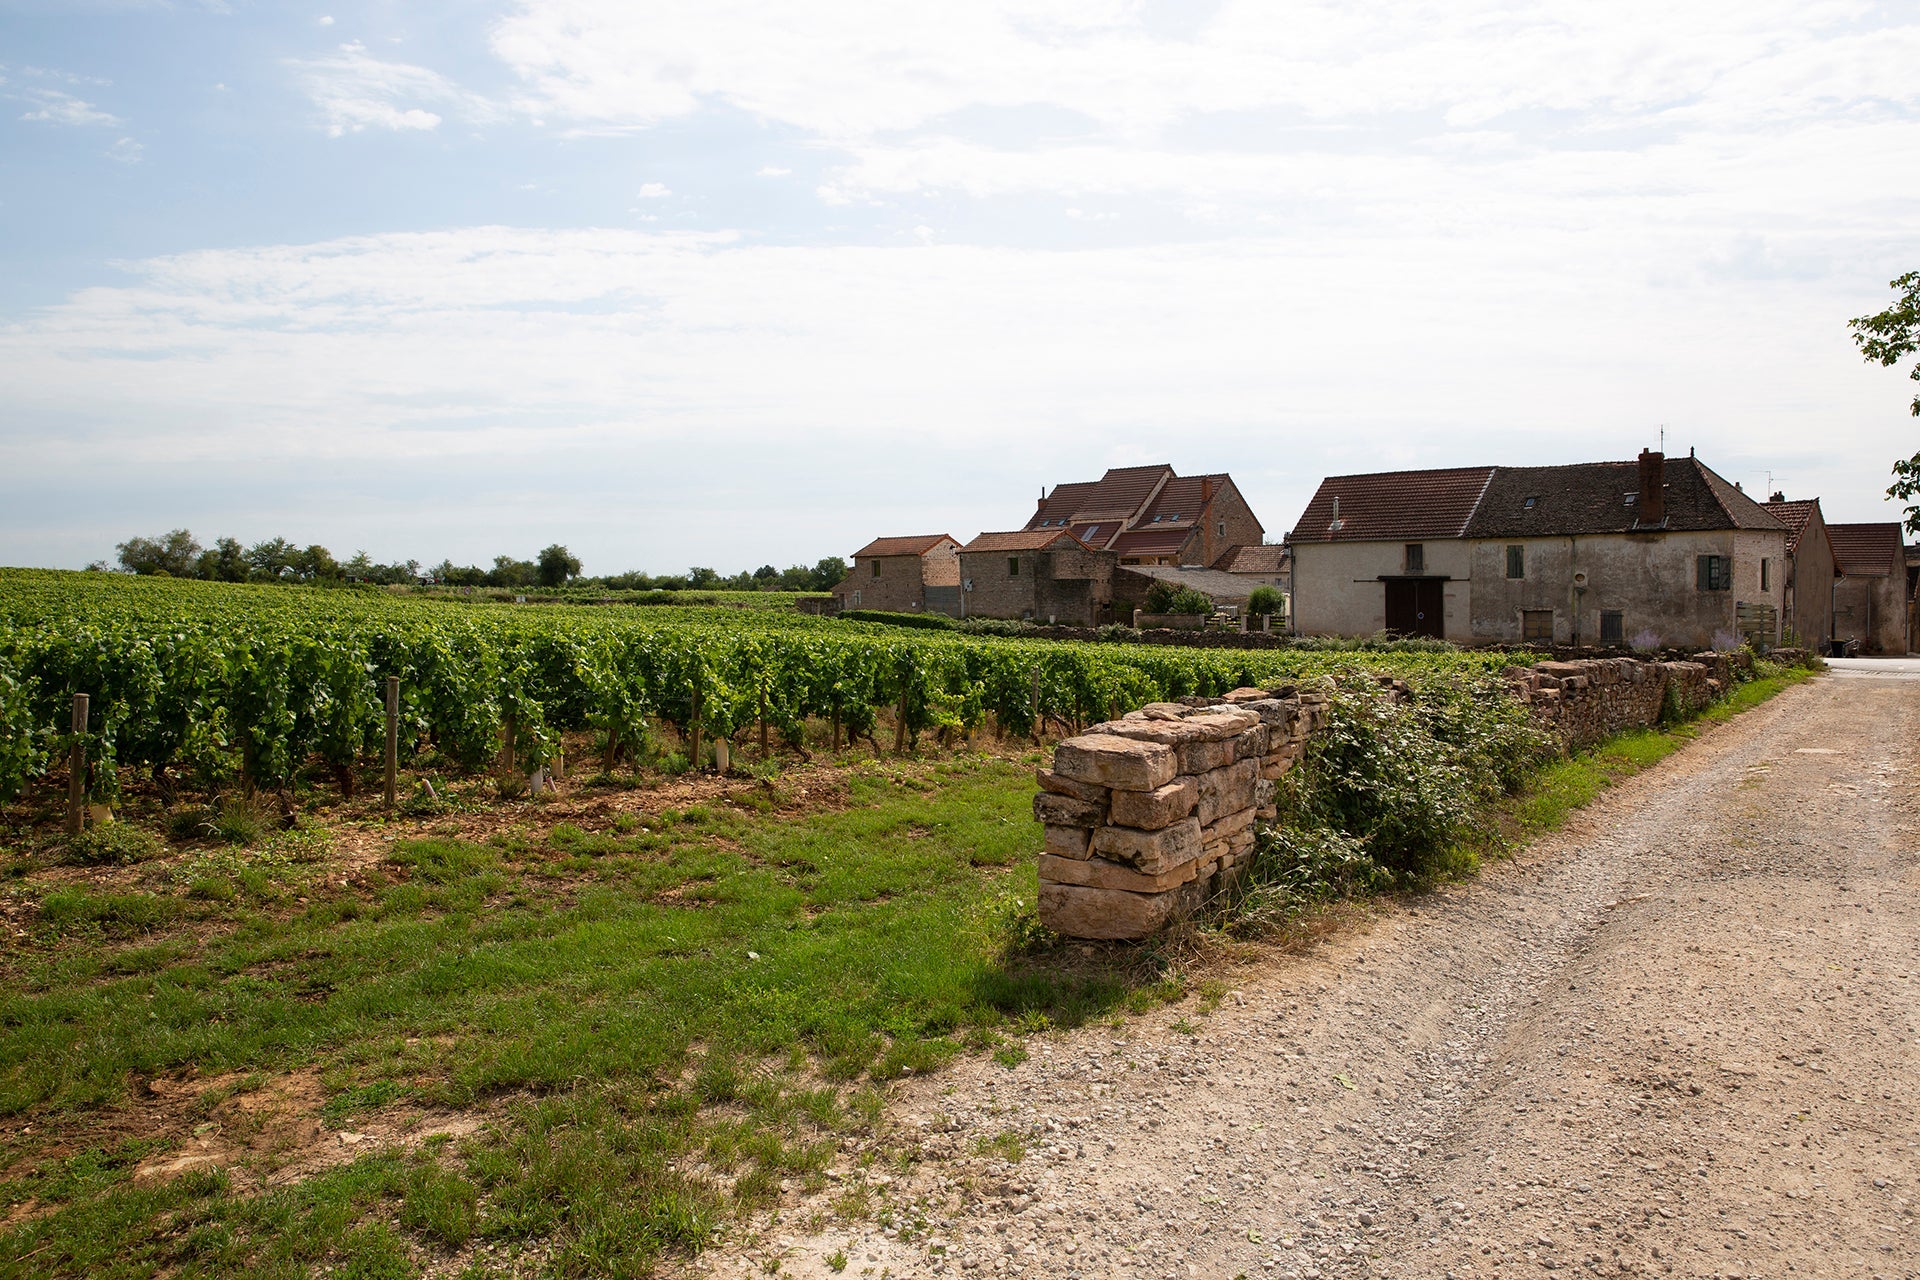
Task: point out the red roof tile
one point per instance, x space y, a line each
1116 496
1021 540
1154 540
1393 505
916 545
1795 515
1867 550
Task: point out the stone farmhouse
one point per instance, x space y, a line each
1651 552
904 575
1151 516
1808 613
1871 603
1036 574
1265 565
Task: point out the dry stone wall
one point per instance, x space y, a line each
1589 701
1150 815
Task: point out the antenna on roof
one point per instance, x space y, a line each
1663 437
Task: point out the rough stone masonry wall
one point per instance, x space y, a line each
1589 701
1150 815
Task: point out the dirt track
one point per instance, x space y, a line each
1678 1038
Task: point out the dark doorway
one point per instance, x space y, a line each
1416 607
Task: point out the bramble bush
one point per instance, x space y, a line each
1407 780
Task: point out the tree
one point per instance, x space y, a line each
272 557
508 572
1165 597
1906 484
829 573
225 561
557 564
1263 601
700 578
316 564
1886 338
175 554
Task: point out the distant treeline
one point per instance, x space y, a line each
179 555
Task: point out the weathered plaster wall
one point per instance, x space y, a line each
1337 592
1652 579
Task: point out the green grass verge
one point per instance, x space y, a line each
716 985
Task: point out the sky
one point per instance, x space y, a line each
726 283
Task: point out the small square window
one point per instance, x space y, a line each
1530 502
1630 499
1536 624
1416 557
1516 561
1714 573
1613 626
1013 566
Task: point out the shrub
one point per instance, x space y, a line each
113 842
994 627
1264 601
1168 597
1408 780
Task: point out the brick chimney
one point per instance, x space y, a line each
1206 492
1653 487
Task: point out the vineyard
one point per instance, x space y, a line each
228 682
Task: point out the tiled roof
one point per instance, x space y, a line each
1867 550
1116 496
1181 498
1603 497
1021 540
1393 506
1154 540
1795 515
1268 559
916 545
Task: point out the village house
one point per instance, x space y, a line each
1151 516
1870 599
1808 612
1062 566
1649 552
913 574
1040 575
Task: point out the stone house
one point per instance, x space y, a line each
1808 612
913 574
1649 551
1036 574
1152 516
1870 601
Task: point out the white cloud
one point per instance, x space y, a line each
654 191
51 106
355 92
772 171
326 20
126 151
857 69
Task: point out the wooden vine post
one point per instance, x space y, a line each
77 768
1036 705
900 723
393 741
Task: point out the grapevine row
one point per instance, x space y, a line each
259 683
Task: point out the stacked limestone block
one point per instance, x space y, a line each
1150 815
1589 701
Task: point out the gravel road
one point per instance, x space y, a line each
1678 1038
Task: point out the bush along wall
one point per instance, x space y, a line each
1359 784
